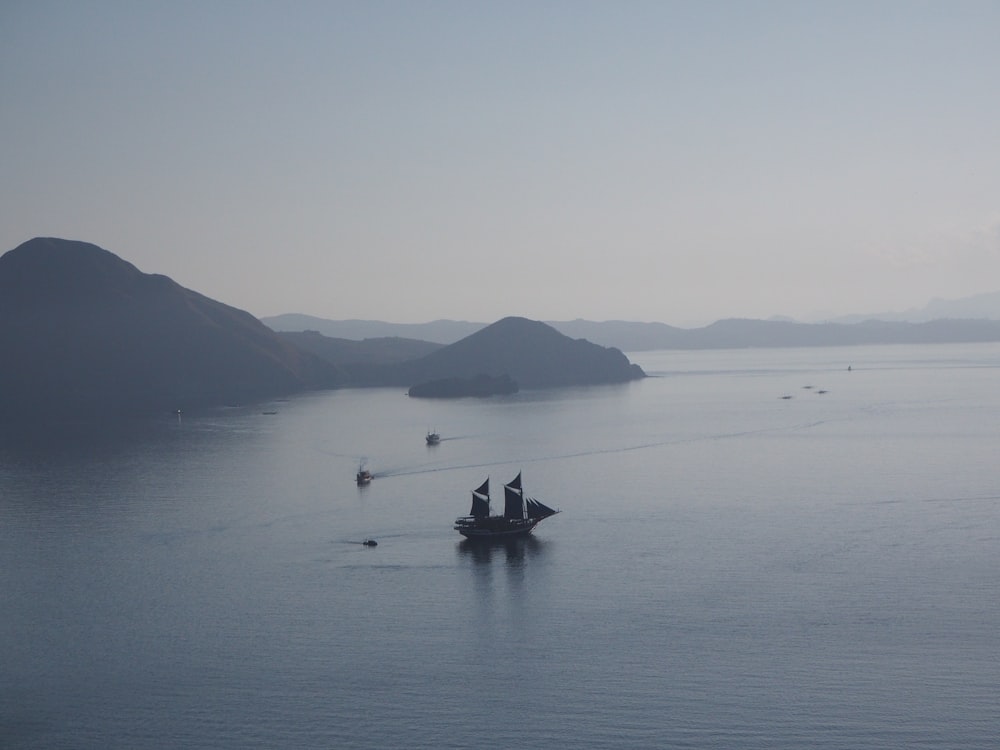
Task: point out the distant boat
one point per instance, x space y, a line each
370 543
364 476
521 513
433 438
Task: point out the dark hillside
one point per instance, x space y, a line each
377 351
534 354
85 332
437 331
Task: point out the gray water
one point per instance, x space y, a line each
731 569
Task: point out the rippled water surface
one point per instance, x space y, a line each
731 568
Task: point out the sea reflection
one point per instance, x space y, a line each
499 578
514 551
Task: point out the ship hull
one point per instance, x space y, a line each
495 528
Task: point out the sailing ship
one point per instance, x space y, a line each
520 513
433 438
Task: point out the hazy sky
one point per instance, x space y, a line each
413 160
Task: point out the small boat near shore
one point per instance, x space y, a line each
521 513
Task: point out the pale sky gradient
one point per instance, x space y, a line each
406 161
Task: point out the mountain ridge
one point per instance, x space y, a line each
985 306
88 334
735 332
435 331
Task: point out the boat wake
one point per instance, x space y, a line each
410 471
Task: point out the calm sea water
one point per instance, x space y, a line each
731 569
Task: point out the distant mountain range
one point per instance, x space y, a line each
978 307
532 354
724 334
739 333
633 336
86 334
437 331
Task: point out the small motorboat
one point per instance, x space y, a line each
363 476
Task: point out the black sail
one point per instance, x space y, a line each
538 510
480 507
481 500
513 506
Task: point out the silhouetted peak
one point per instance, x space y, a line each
531 352
57 269
515 328
46 252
